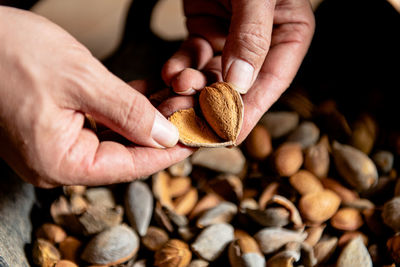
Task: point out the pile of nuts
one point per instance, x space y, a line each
306 188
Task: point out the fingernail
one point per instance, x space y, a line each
189 91
240 75
164 132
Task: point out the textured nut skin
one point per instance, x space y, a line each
174 253
222 107
258 143
288 159
51 232
319 206
155 238
305 182
348 219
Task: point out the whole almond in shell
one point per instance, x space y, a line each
288 158
174 253
222 107
319 206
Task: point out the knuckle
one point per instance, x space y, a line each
255 42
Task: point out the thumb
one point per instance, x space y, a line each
127 112
248 42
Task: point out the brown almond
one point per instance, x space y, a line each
258 143
161 188
222 107
207 202
51 232
179 186
288 159
174 253
350 235
185 203
244 251
348 219
305 182
155 238
247 243
65 263
70 248
319 206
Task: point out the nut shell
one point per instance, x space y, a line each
174 253
222 107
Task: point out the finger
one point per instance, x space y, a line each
173 104
92 163
289 46
213 70
189 81
212 29
126 111
194 53
248 41
142 86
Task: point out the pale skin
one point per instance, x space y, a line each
48 81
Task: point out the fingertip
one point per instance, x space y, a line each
240 75
188 82
164 133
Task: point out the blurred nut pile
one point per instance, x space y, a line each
308 187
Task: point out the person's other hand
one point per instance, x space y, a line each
48 81
262 42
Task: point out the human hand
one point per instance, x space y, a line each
48 81
262 42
